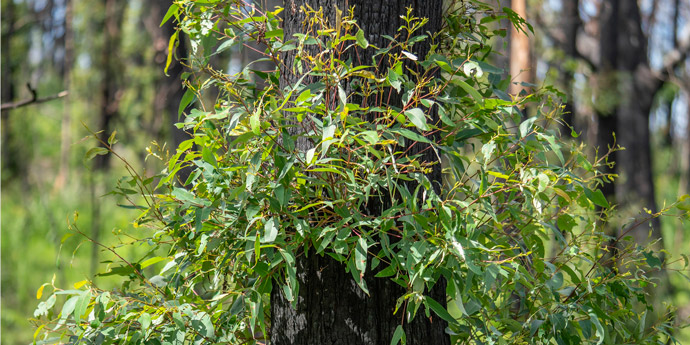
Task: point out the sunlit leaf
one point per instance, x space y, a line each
417 117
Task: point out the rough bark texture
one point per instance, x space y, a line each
625 74
331 308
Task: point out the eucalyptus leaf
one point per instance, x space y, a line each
417 117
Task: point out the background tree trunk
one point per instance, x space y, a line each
605 82
169 89
112 72
66 123
627 85
331 308
570 24
520 57
111 92
10 157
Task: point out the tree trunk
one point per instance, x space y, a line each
109 108
520 59
112 72
604 80
570 24
331 308
11 161
683 143
626 71
252 51
169 89
66 123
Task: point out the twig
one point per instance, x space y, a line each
34 99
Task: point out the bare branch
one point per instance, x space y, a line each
33 100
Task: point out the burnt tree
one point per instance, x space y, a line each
169 90
112 67
331 308
625 77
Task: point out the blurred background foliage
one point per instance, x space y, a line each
71 65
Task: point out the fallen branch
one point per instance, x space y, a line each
34 99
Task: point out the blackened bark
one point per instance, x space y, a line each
12 164
169 89
112 72
637 96
605 129
331 308
625 74
608 55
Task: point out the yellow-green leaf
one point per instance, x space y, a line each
254 123
171 11
96 151
80 284
171 46
111 139
361 41
39 293
152 261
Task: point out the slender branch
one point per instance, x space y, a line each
33 100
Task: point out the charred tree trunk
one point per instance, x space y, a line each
605 80
169 89
112 72
331 308
626 70
10 160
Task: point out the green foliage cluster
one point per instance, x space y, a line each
282 171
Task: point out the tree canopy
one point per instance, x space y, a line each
339 163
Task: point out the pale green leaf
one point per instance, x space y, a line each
361 255
361 41
270 231
417 117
